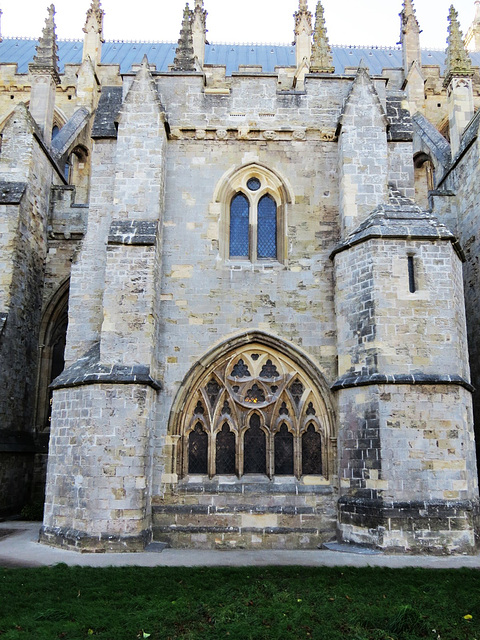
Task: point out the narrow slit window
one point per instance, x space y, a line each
411 275
239 226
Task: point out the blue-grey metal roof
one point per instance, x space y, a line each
267 56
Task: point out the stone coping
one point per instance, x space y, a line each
358 380
11 192
88 370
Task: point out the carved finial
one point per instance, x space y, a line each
200 14
321 60
409 20
303 19
458 62
185 56
46 53
94 21
199 31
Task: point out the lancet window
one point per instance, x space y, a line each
254 413
253 223
254 201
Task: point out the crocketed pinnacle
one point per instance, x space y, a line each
458 62
409 19
199 16
94 19
45 60
185 56
321 60
303 18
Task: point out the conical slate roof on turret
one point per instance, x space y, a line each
400 217
185 55
321 60
458 62
46 54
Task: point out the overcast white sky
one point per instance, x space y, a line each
365 22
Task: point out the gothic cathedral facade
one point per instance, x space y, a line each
239 289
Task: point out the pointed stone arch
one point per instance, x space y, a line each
256 374
53 331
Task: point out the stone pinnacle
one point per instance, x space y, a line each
46 53
95 11
185 56
321 60
458 62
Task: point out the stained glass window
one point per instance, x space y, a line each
198 450
254 184
255 448
225 451
267 228
311 452
254 412
297 389
239 226
213 391
284 452
240 370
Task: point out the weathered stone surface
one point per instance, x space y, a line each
107 113
89 370
350 324
133 232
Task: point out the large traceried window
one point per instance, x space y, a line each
255 412
254 201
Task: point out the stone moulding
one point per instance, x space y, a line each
298 134
81 541
350 381
133 232
88 370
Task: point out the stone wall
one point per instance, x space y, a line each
98 477
23 264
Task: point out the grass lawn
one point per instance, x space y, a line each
275 603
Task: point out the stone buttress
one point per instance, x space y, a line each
103 405
26 173
407 466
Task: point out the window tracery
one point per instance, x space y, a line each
253 224
236 422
